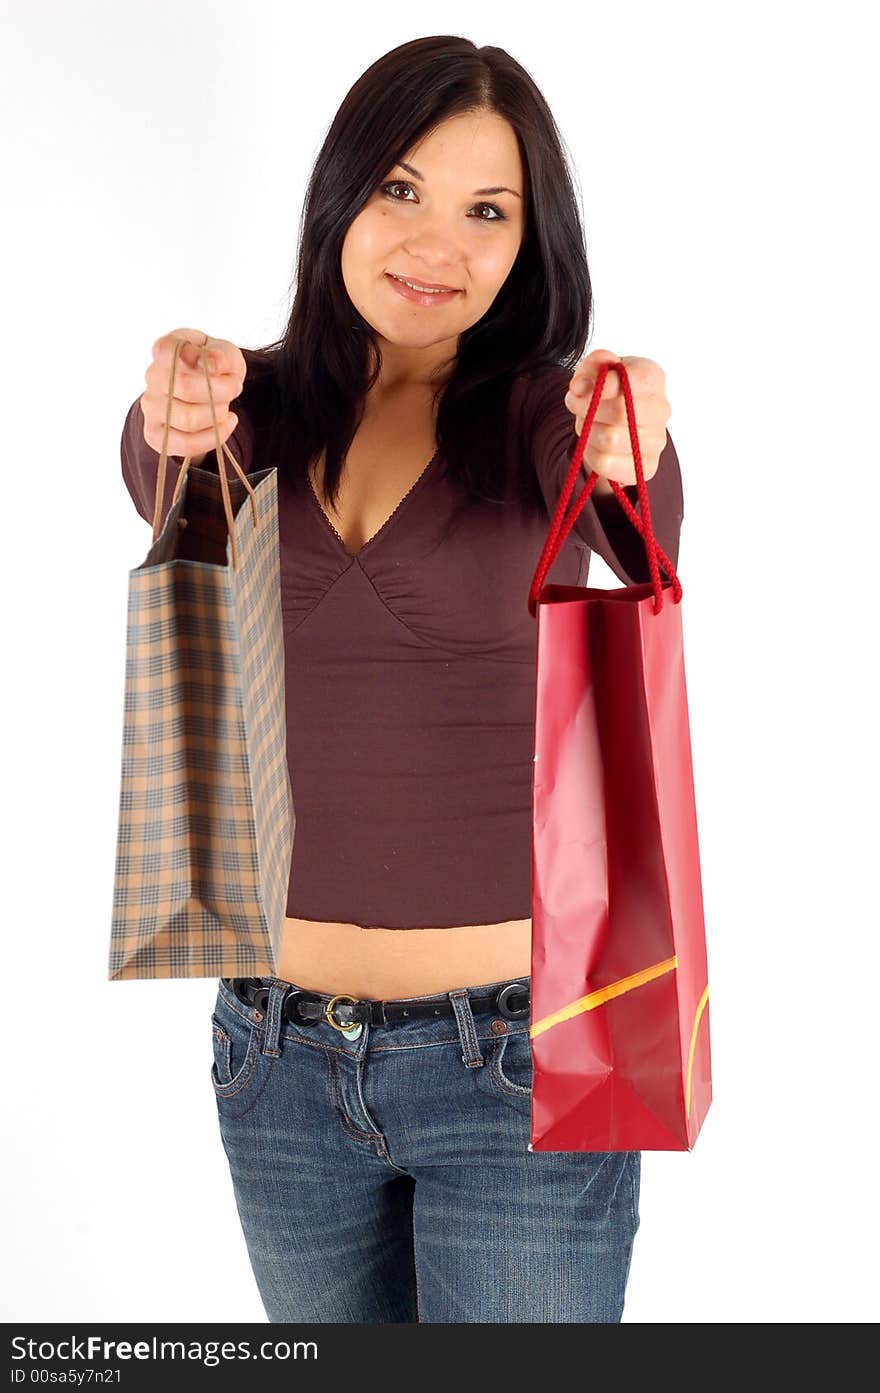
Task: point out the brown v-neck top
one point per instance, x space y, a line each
410 673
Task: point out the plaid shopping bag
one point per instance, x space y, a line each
206 817
619 1023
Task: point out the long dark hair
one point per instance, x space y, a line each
309 386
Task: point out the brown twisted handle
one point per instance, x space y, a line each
219 449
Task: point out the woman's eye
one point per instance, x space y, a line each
396 184
402 184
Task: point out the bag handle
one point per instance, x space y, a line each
219 449
559 530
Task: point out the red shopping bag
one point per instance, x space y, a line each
619 1024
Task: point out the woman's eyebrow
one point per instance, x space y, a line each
499 188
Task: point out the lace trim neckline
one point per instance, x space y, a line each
380 531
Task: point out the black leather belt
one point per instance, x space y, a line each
512 1001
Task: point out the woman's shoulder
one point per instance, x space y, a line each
542 380
259 397
538 393
262 369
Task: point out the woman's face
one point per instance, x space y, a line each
457 222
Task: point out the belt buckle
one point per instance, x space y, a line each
512 1013
351 1032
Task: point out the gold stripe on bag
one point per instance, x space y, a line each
598 998
687 1091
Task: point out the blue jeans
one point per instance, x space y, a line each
388 1178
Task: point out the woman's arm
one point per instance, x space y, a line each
548 434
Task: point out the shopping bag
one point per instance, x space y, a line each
619 1021
206 817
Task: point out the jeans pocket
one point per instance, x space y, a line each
237 1046
508 1068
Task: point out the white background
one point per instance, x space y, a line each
155 160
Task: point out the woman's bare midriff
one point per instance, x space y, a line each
381 964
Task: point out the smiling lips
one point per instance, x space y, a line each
421 285
424 296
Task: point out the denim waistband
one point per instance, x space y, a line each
509 997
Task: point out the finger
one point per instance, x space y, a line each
191 342
191 388
584 377
608 411
191 384
183 440
614 439
188 416
224 357
648 411
612 443
196 346
646 378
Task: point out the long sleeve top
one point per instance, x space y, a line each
410 672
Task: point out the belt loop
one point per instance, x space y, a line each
272 1030
471 1055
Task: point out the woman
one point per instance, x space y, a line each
373 1098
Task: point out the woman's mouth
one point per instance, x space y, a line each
419 297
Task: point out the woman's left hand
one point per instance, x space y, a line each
609 449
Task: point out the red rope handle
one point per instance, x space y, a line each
560 526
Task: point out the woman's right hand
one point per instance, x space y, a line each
191 427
